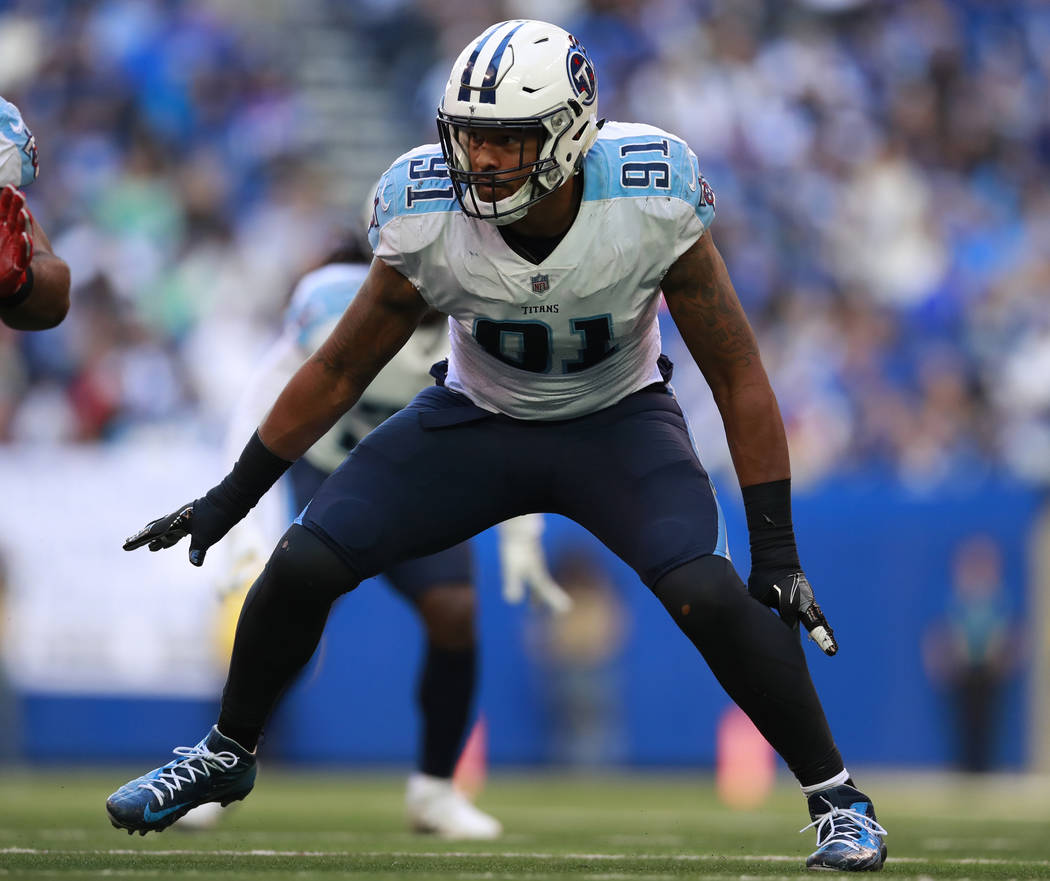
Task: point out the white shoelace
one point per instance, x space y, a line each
171 778
843 823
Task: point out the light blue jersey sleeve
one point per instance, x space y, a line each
413 201
319 300
18 159
416 184
642 161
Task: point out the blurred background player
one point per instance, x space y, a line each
973 650
439 587
34 283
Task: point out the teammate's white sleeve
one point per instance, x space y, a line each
523 564
249 543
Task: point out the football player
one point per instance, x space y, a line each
546 235
439 587
34 283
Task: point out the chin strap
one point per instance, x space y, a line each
492 211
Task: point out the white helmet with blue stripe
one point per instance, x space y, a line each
519 74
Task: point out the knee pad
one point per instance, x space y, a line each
702 591
302 559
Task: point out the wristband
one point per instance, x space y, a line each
767 507
254 473
21 294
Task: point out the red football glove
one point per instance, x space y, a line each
16 245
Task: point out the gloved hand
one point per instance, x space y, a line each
210 517
203 520
524 565
16 245
776 576
792 596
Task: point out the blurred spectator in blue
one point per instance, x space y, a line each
613 32
974 651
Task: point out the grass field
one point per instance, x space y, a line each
324 825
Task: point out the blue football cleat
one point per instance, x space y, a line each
848 837
216 769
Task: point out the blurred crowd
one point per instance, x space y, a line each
171 139
882 172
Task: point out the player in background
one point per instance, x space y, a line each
34 283
546 235
439 587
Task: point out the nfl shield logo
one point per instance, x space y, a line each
540 283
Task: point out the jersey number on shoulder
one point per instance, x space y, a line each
647 174
528 344
430 168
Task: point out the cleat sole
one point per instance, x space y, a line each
171 818
877 868
158 827
239 797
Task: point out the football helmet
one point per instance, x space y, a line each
519 74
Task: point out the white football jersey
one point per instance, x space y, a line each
18 159
578 331
317 303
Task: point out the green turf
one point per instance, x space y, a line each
325 825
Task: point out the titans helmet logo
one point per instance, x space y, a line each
581 74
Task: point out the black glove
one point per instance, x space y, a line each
210 517
202 520
776 576
792 597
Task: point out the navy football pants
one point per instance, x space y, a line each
442 470
411 578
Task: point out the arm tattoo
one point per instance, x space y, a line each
707 311
357 368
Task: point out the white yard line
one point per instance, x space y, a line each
487 855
